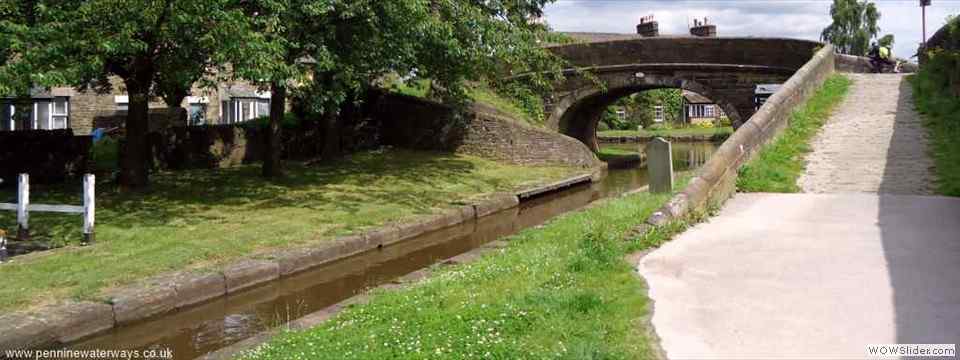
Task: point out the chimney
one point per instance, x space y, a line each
703 28
648 27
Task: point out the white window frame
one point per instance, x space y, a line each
65 114
658 115
122 99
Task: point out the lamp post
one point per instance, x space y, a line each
923 12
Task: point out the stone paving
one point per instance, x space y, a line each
874 142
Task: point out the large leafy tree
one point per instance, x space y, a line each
334 50
854 24
154 47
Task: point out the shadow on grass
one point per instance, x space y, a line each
412 180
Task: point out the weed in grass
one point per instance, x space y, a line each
778 166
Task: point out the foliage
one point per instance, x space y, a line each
106 155
937 97
886 41
202 218
778 166
562 290
854 24
640 108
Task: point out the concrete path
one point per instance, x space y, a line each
866 260
874 142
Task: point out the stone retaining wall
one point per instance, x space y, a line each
415 123
62 324
716 180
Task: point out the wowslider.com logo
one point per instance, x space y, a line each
912 350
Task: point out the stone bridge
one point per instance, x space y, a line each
726 70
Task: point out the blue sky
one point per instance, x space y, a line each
781 18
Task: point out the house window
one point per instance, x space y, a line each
246 109
60 113
122 101
621 114
42 114
708 111
658 113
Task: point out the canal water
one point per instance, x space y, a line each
198 330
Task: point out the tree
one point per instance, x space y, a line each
351 44
887 40
151 46
854 24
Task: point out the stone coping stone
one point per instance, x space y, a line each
495 203
75 321
26 331
148 299
194 287
556 185
249 273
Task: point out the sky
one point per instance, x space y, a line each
803 19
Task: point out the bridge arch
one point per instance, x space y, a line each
579 113
725 70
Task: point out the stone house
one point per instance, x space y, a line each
84 111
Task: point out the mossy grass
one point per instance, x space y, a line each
202 218
563 290
777 166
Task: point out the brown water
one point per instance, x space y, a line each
198 330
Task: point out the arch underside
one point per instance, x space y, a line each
577 111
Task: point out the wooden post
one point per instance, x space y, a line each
3 246
88 208
660 165
23 201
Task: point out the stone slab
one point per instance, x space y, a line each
143 301
25 331
496 203
77 320
194 287
249 273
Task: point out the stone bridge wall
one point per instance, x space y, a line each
726 70
716 180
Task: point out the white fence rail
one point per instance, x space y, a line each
23 207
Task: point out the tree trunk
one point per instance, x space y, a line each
331 136
271 156
134 159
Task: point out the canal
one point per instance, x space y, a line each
198 330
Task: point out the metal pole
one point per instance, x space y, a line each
924 12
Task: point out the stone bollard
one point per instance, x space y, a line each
660 165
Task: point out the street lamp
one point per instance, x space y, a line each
923 11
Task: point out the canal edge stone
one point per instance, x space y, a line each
164 293
249 273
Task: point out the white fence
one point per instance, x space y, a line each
23 207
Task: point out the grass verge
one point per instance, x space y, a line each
196 219
936 91
691 131
608 153
563 290
778 166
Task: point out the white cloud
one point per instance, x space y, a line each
775 18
